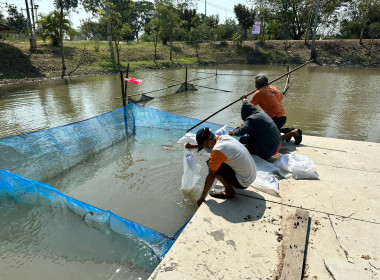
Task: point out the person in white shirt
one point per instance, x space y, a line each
230 162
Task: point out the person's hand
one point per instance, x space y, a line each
230 132
243 97
245 100
200 200
191 146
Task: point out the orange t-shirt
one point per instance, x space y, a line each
269 99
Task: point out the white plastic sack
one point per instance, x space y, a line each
266 182
222 131
282 163
302 167
188 138
191 170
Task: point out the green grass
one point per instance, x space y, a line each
93 57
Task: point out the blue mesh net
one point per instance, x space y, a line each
27 159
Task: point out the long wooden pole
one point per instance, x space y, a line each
245 96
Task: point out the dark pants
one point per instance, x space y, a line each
252 149
279 121
228 174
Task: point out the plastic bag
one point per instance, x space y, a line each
282 163
221 131
191 170
266 182
188 138
302 167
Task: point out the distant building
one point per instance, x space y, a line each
4 29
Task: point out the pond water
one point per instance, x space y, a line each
140 179
323 101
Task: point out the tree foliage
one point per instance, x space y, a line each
14 18
245 17
359 17
140 17
50 27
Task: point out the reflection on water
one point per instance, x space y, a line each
323 101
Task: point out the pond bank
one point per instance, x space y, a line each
83 58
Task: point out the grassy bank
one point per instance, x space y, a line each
17 64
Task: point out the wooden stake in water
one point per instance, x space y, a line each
126 86
186 80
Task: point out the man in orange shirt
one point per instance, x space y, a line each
269 99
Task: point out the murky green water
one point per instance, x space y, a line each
142 184
323 101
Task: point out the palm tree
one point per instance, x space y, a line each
50 27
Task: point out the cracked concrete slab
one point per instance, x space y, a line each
246 237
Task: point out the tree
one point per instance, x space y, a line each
374 30
62 5
167 19
359 15
209 25
2 18
92 30
51 27
140 16
102 8
118 30
245 17
15 19
154 28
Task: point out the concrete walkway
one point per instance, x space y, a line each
247 237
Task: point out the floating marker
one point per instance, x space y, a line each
134 81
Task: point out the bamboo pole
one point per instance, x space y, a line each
287 83
245 96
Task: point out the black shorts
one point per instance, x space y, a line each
228 174
279 121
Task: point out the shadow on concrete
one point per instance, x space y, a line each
246 206
14 63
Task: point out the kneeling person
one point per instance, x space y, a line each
230 163
258 132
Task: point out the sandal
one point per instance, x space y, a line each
298 139
218 193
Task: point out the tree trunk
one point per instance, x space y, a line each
196 52
155 47
171 47
32 40
117 52
109 32
365 19
61 42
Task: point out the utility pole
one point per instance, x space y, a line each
313 54
35 8
33 21
32 40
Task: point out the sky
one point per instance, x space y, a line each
224 8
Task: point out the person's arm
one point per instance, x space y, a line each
255 98
241 130
191 146
208 184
